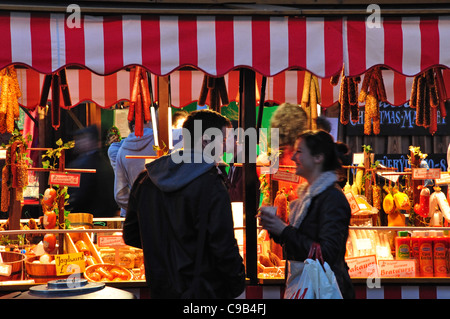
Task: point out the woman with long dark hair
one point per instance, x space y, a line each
321 214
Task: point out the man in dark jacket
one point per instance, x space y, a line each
179 212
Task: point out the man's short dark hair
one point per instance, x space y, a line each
208 118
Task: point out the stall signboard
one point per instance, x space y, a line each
398 120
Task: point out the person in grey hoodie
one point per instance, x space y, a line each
127 169
179 213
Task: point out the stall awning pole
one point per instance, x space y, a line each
247 112
163 109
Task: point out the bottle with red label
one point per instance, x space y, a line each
415 249
439 254
426 255
402 245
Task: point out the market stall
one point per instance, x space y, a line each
98 52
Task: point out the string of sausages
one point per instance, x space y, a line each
9 103
311 97
14 174
216 88
372 93
140 101
57 81
427 95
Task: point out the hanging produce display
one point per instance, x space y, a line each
216 88
15 171
9 105
311 98
427 95
348 97
372 93
140 101
58 83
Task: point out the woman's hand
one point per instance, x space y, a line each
270 221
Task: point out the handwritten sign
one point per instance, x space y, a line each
353 203
397 268
67 264
110 241
66 179
424 173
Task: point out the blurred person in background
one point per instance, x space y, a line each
96 192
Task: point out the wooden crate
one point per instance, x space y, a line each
70 240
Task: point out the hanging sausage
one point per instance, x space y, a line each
140 101
427 96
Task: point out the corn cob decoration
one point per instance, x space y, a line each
311 98
9 104
427 95
372 93
348 97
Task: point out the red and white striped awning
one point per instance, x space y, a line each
105 91
407 45
162 44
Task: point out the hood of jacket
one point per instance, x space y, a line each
134 143
174 171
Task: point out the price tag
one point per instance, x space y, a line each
425 173
353 203
67 264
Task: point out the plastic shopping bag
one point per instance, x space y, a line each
312 279
299 283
